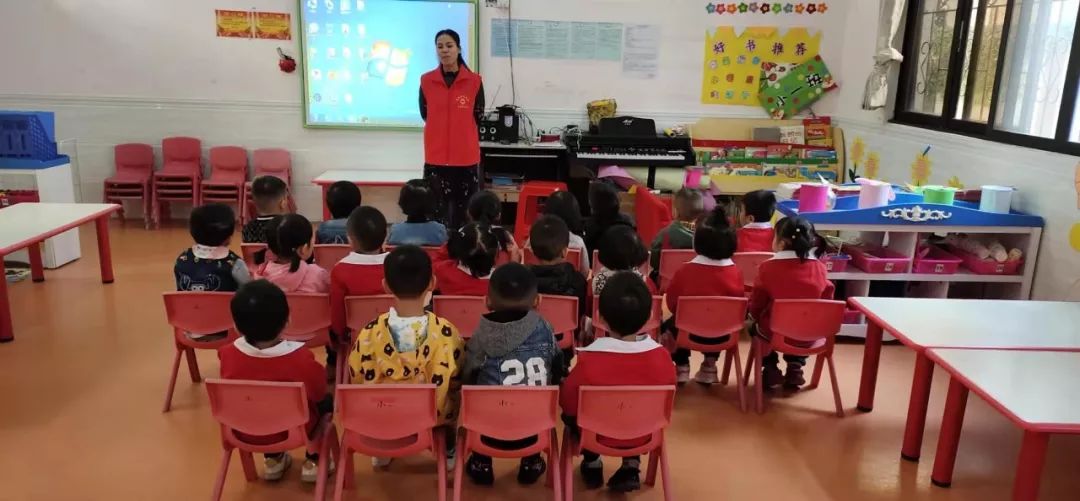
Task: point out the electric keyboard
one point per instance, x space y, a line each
630 151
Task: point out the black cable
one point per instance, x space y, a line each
510 48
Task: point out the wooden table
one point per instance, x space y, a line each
28 225
956 323
1034 389
361 178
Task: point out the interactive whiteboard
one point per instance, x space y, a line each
363 58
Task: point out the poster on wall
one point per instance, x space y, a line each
273 25
233 23
733 61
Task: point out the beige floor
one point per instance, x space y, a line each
80 416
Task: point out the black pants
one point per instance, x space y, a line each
453 187
590 456
681 356
507 445
772 359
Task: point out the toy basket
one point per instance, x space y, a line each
937 261
879 260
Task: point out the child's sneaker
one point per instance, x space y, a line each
378 462
275 467
771 376
480 470
309 471
627 479
707 373
682 374
451 459
531 469
794 379
592 473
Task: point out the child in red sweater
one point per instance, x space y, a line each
473 250
792 273
710 273
755 216
626 358
260 312
360 273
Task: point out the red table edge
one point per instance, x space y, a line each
971 386
52 233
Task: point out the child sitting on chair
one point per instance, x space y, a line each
409 344
793 273
271 197
710 273
626 358
689 206
604 205
359 273
473 249
564 205
512 346
755 216
549 238
486 208
209 265
284 262
620 250
260 312
417 202
342 198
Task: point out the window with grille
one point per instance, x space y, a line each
1003 70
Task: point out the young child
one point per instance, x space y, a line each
627 357
755 216
710 273
342 198
360 273
689 206
512 346
417 202
604 205
549 238
473 249
285 265
620 250
260 312
271 196
408 344
564 205
209 265
792 273
486 208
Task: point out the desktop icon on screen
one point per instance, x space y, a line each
345 29
316 74
313 28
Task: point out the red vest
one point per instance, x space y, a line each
450 135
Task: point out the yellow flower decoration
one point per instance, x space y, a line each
858 149
873 163
920 170
954 182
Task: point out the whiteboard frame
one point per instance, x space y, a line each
474 55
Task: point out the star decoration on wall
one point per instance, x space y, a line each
710 8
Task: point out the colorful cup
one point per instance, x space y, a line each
814 198
941 195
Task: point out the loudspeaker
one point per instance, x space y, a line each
507 129
488 130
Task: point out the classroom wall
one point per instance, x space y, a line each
1045 180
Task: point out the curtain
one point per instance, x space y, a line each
885 55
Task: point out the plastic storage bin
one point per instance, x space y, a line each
987 266
937 261
836 262
12 197
878 260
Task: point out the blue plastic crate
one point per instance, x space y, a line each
28 135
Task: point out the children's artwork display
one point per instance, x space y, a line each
733 62
773 8
799 87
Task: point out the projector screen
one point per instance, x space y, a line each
363 58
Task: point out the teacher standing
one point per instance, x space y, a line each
451 103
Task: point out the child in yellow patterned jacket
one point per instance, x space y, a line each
408 345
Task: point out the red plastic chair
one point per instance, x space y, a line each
179 177
670 262
799 327
194 313
388 421
562 313
573 256
435 252
134 169
228 173
601 329
714 317
359 311
644 268
622 413
248 251
462 311
268 162
309 319
748 263
530 202
262 408
328 255
509 413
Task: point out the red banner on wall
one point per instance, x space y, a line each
273 25
233 23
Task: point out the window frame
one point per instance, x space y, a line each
944 122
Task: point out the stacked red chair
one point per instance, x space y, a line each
179 177
228 175
134 168
268 162
530 204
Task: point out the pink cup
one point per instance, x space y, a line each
813 198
